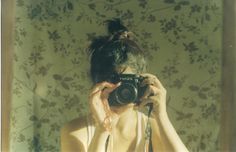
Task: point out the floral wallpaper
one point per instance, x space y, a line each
182 40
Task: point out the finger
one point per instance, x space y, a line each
98 102
146 101
148 75
99 98
97 110
149 81
109 89
150 91
101 86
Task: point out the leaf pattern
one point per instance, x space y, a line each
51 80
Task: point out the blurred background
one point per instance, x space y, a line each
49 65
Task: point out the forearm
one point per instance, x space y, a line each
98 143
168 135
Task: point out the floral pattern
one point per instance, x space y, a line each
51 69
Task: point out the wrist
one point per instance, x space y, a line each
159 112
161 118
159 109
101 130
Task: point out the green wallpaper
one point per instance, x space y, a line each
182 40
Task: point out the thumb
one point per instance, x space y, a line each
108 90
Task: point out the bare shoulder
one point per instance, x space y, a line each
74 134
76 124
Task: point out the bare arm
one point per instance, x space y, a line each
164 138
74 135
70 143
165 133
99 141
102 114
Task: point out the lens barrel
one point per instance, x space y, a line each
127 92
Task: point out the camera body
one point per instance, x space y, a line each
129 91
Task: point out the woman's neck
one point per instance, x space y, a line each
123 110
127 117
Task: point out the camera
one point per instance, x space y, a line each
129 91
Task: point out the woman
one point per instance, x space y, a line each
114 125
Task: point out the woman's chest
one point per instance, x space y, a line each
122 141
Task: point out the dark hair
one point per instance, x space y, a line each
114 50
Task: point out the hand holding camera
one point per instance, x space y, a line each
144 89
123 89
154 94
99 107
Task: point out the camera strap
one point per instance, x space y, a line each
107 141
150 107
148 130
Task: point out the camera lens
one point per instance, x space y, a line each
126 93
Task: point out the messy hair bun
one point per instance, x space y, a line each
113 50
114 26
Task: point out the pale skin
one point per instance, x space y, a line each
123 121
